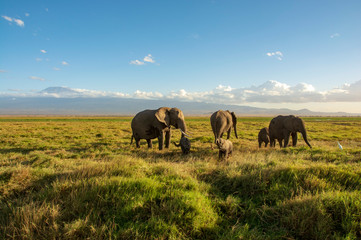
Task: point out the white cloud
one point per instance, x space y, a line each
7 18
38 59
136 62
64 63
27 14
277 54
18 22
37 78
147 95
271 92
43 51
146 59
149 58
335 35
56 69
224 88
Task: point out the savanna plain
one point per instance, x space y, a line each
79 178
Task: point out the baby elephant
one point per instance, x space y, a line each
185 145
263 137
225 148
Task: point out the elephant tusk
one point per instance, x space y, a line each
184 133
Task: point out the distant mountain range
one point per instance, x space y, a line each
75 104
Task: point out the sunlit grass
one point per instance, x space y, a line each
78 178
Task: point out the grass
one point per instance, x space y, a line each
78 178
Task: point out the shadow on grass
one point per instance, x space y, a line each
20 150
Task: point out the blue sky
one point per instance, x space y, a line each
187 50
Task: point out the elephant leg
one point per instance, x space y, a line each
265 144
280 142
150 144
259 144
228 133
137 143
161 140
294 139
167 139
286 137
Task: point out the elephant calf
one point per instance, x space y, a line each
225 148
185 145
263 137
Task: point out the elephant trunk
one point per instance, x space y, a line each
304 135
235 129
182 126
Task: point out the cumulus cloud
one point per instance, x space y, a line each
18 22
37 78
136 62
270 92
147 95
149 58
146 59
278 55
7 18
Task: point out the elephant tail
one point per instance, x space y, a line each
131 141
177 145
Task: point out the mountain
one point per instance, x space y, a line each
58 90
127 106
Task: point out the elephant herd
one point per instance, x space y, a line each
151 124
280 129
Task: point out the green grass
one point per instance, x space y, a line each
78 178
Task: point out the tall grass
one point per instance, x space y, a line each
78 178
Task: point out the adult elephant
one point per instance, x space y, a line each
221 122
281 127
150 124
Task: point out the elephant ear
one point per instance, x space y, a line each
162 114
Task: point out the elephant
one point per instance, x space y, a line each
263 137
281 127
225 148
150 124
185 145
221 122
